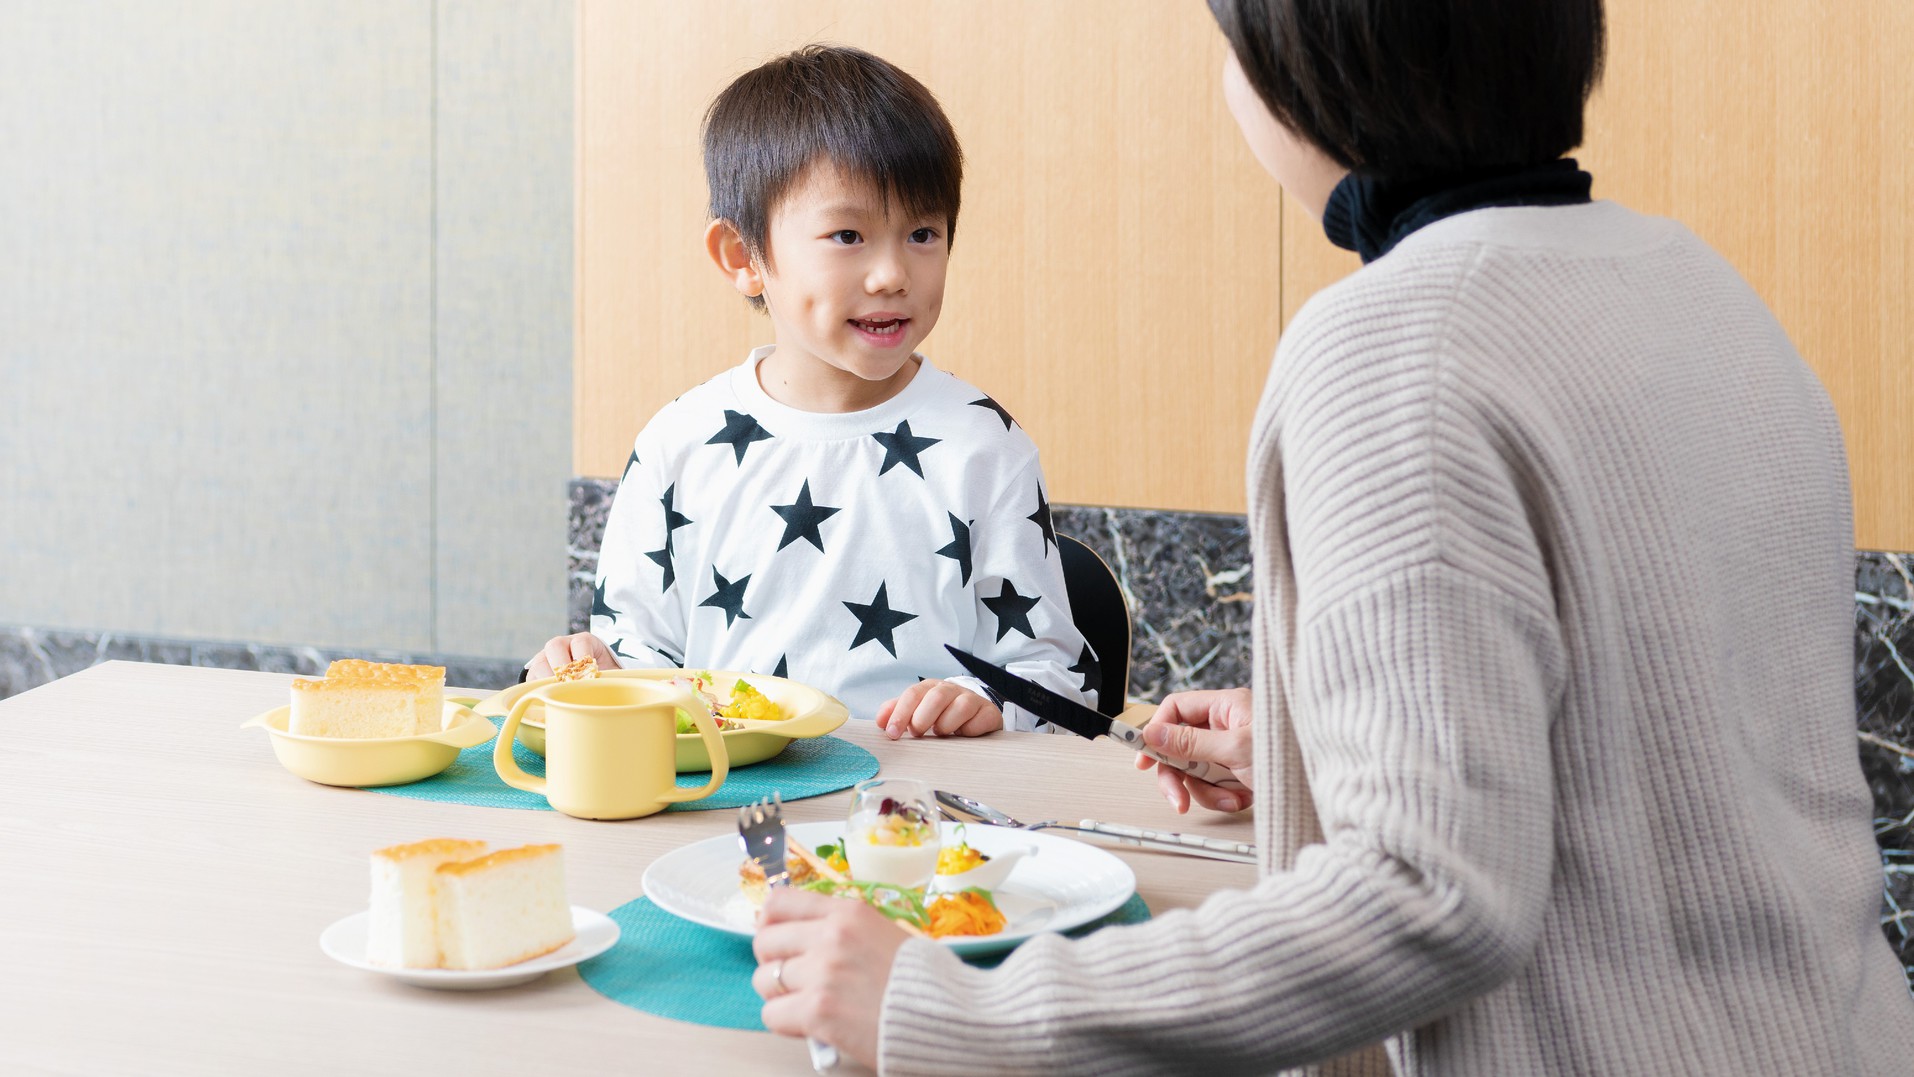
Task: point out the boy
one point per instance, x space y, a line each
836 509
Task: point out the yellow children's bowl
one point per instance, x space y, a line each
812 714
374 761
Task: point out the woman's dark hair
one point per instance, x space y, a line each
1417 88
833 103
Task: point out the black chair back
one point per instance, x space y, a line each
1097 607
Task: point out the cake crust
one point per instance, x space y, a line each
498 859
429 847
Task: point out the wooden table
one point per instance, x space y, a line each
163 884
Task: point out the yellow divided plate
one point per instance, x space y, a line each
813 714
374 760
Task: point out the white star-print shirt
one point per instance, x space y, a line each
840 550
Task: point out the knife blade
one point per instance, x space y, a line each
1081 720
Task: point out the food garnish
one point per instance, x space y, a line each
749 703
899 824
901 904
746 702
834 855
966 912
959 858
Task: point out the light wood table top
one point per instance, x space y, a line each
163 884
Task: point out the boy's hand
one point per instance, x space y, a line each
562 649
938 709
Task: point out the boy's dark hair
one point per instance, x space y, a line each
840 104
1421 88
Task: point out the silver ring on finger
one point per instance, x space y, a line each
777 977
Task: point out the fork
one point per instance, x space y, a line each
761 832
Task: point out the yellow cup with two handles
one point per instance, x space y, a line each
611 747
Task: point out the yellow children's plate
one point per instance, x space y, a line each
812 714
374 760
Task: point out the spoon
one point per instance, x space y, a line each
962 809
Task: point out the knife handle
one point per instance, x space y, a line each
1167 841
1222 777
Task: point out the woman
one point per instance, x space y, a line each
1550 784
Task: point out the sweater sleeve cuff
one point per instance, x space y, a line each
930 988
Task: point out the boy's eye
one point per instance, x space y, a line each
923 235
846 236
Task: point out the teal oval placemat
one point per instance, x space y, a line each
674 968
808 768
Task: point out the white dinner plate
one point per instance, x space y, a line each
1066 884
345 942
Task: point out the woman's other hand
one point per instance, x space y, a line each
560 650
823 964
1209 727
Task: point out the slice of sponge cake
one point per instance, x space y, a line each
402 930
369 699
504 908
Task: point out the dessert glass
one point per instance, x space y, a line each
892 837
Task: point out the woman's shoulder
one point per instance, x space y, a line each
1472 278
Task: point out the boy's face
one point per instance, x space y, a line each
852 285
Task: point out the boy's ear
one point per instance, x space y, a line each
733 258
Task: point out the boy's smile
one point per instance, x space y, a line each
853 285
883 329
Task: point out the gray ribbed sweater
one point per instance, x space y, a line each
1555 705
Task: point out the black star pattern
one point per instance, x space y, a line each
621 653
631 463
1087 666
599 607
1012 610
959 547
876 621
986 402
740 430
728 597
673 518
673 521
801 519
900 447
784 667
663 557
1041 518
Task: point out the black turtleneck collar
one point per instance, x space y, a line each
1370 214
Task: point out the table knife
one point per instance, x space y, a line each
1069 714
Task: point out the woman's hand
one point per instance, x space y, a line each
562 649
823 964
1211 727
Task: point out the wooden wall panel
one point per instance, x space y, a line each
1784 136
1114 280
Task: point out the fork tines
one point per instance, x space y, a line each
761 832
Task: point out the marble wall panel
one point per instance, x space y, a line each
1884 697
